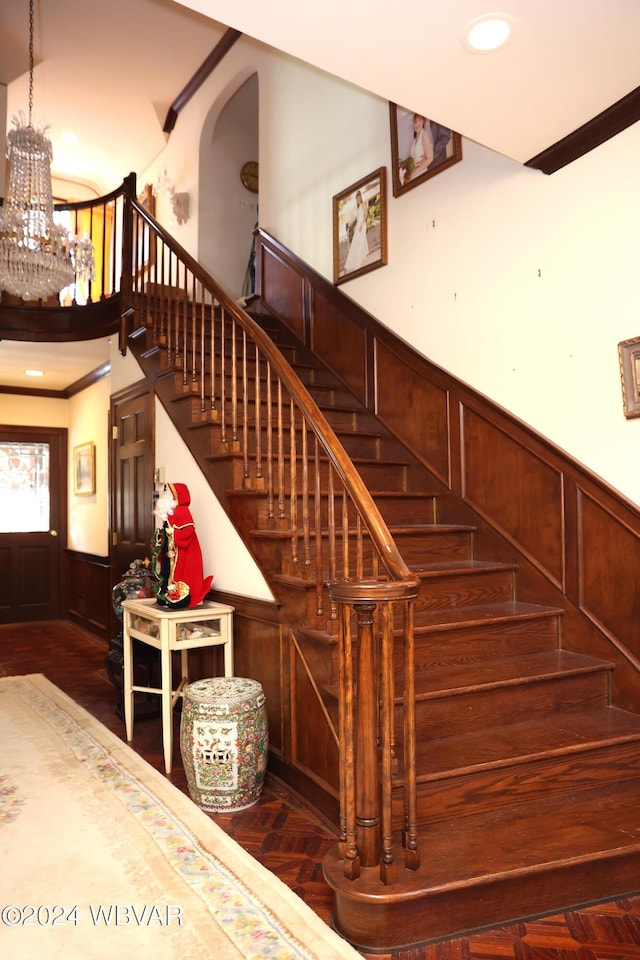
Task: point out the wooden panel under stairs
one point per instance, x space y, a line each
528 777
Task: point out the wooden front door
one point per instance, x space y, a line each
33 521
133 461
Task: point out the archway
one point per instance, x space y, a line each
228 211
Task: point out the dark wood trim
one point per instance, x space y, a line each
202 73
89 379
39 323
74 388
590 135
27 392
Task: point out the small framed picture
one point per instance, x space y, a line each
629 357
84 470
360 227
420 148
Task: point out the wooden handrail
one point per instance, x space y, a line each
367 508
279 441
270 423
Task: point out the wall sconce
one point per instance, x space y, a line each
179 202
180 207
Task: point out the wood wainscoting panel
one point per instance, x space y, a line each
609 551
89 589
283 291
414 408
302 749
314 747
257 653
492 461
341 343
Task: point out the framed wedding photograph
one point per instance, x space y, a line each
420 148
360 227
629 357
84 470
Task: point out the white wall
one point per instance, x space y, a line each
228 212
17 410
88 519
85 417
224 553
520 284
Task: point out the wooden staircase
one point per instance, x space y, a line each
454 660
527 778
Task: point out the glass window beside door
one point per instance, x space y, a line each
24 487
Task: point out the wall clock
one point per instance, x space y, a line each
249 175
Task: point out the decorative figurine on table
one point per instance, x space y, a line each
177 557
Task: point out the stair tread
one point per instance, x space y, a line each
451 617
378 495
535 836
571 731
447 567
435 528
417 528
451 680
559 828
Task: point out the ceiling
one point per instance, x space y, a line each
110 72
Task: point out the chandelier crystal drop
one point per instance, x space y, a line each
38 257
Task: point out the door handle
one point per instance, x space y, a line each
53 533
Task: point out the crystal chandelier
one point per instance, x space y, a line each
38 257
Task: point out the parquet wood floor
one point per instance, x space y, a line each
289 839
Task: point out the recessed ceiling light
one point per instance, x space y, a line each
486 33
34 373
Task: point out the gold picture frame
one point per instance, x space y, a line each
629 358
360 227
444 146
84 469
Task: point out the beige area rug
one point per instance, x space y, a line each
100 856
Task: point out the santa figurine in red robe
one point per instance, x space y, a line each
177 553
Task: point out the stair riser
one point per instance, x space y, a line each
399 510
379 475
356 445
425 513
473 712
343 421
479 642
429 916
432 547
345 411
299 601
492 789
435 547
465 589
318 380
307 368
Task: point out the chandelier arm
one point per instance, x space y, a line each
30 60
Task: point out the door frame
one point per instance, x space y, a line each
142 388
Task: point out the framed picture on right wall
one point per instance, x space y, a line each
421 148
629 357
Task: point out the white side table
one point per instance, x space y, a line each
207 625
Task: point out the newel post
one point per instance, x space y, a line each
367 787
366 722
